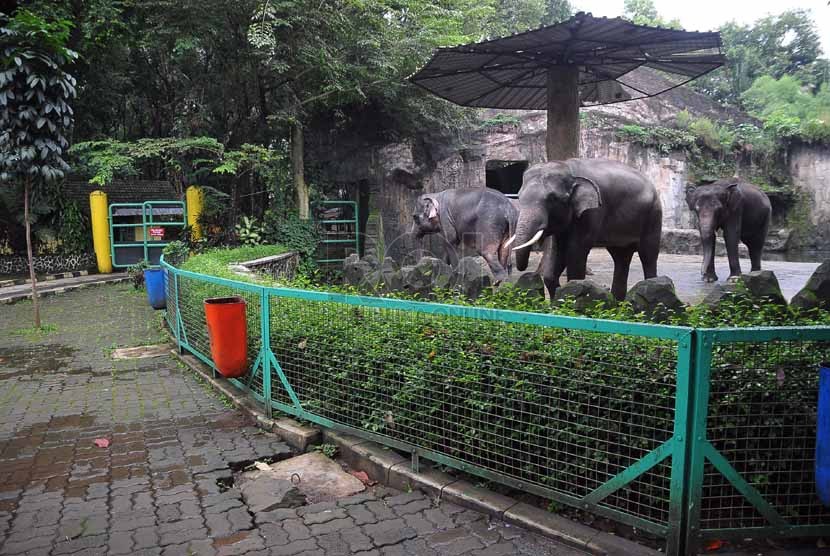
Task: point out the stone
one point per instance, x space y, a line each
436 271
816 293
414 283
530 283
586 294
471 277
264 491
763 285
720 293
317 477
356 270
656 297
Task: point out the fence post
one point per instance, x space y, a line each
265 332
178 317
683 416
697 436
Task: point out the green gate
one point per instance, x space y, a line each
139 231
688 434
337 231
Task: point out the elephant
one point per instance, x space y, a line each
580 203
479 219
738 208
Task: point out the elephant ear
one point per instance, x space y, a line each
734 195
585 195
433 206
690 197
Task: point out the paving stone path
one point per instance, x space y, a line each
160 487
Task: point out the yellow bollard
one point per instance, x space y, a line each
98 210
193 198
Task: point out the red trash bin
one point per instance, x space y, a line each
228 333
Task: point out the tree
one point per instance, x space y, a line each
35 114
776 45
643 12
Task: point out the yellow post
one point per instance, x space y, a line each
193 198
98 210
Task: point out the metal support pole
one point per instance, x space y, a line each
265 331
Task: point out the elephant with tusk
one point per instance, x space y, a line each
576 204
478 219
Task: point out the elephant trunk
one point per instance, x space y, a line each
708 232
526 235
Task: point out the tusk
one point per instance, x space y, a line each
533 240
511 240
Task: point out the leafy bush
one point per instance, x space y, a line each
664 139
302 236
136 274
249 231
214 262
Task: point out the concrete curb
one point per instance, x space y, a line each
45 278
388 467
67 288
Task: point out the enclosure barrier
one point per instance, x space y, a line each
685 434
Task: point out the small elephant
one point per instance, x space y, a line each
479 219
738 208
580 203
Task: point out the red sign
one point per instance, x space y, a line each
156 233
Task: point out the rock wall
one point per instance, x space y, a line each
810 172
398 173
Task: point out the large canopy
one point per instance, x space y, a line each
512 72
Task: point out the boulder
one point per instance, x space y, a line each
355 270
816 293
762 285
719 293
435 271
530 283
586 294
472 277
656 297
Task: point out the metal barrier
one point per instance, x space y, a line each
335 236
687 434
146 225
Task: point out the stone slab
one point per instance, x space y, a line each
319 478
296 435
142 352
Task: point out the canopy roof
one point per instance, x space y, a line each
511 72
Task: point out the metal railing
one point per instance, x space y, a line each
148 248
348 236
687 434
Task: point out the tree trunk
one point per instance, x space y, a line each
298 170
26 195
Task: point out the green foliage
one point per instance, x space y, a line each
302 236
328 450
643 12
74 229
176 252
790 111
776 45
499 120
250 231
215 261
35 92
663 139
136 273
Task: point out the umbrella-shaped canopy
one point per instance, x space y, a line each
581 61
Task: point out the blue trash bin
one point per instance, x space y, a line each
823 435
154 282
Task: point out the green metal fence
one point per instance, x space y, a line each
687 434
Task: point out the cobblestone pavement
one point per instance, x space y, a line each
161 485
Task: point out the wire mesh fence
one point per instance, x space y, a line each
762 419
564 410
687 433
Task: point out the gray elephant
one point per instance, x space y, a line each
580 203
738 208
479 219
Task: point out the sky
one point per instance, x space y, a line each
708 15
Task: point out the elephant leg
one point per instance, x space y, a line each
649 250
756 250
730 237
622 263
576 258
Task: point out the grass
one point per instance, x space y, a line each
34 333
215 262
